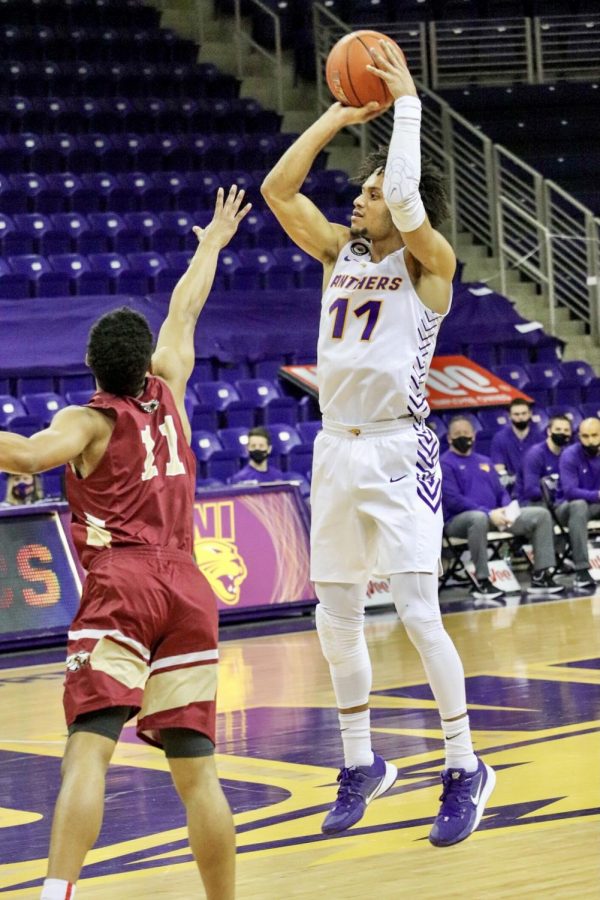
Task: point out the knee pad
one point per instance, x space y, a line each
183 743
105 722
339 619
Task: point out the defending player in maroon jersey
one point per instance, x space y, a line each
144 640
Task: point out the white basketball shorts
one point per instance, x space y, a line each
376 501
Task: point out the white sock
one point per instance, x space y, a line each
356 738
57 889
458 746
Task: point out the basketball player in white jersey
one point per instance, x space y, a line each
376 487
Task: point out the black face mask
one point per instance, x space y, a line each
462 444
22 490
591 449
258 456
559 440
521 426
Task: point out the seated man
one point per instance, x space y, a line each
579 467
475 502
258 468
543 461
510 444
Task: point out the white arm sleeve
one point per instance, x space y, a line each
403 167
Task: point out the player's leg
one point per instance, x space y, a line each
80 804
467 781
365 775
535 523
210 823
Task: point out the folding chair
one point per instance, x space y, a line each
456 546
548 487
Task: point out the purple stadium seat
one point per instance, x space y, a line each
309 430
83 280
107 228
45 238
25 425
227 266
514 375
236 440
269 368
78 396
257 391
167 191
44 406
9 408
70 193
34 384
142 228
150 264
232 372
89 153
282 410
493 419
222 465
43 280
576 373
240 414
590 409
204 418
539 416
571 412
13 285
204 444
307 271
592 391
272 274
300 458
173 232
201 190
123 280
53 482
218 394
72 231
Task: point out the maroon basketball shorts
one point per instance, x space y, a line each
145 636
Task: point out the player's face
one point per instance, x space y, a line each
371 218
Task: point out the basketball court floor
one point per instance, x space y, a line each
533 683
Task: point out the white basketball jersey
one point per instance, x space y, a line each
376 340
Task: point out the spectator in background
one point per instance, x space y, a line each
580 482
543 461
259 468
510 444
475 502
23 489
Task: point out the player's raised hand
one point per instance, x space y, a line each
355 115
391 67
228 214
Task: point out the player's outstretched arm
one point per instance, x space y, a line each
71 431
174 356
298 216
402 178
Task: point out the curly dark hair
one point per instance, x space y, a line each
119 350
432 186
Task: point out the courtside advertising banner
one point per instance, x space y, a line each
454 382
252 546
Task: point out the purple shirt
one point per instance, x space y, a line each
249 473
580 474
509 450
540 462
470 482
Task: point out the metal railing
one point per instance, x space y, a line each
244 42
533 226
490 51
567 46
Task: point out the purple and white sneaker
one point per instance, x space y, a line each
463 799
358 786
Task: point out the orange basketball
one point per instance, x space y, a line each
346 69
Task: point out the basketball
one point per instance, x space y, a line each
346 69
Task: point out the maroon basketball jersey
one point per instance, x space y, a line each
142 491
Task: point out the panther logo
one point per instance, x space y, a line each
223 567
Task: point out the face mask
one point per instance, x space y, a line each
591 449
258 456
462 444
559 440
22 490
522 426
